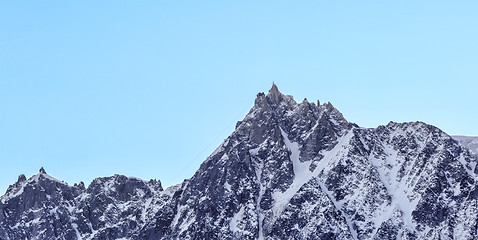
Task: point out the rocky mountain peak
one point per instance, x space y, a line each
289 171
21 178
276 97
274 91
273 99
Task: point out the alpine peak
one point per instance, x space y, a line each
289 171
275 94
274 89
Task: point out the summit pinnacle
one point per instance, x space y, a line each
21 178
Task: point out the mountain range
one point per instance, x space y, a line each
289 170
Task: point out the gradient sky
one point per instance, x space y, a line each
151 88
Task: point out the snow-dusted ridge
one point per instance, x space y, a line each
18 188
289 171
470 142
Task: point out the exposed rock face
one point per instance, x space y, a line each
289 171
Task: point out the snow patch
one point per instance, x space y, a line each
466 166
301 176
339 207
75 228
254 151
227 186
400 191
262 190
145 209
234 220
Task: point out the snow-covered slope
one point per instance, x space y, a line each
289 171
469 142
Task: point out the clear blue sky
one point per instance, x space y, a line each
150 88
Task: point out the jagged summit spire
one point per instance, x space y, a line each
22 178
275 94
42 170
274 89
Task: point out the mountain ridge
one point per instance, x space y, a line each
289 170
471 142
